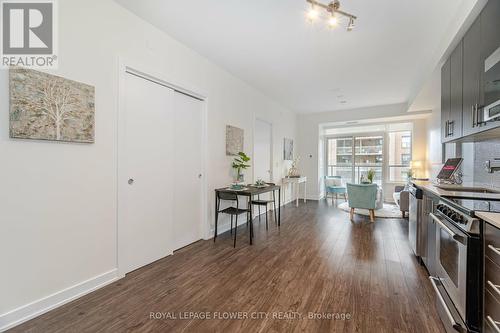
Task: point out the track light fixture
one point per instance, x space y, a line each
334 13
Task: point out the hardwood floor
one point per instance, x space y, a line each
318 262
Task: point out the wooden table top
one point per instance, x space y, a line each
250 190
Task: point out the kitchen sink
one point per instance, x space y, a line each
458 188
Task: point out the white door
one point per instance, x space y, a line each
187 174
145 211
262 151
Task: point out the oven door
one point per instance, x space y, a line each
451 260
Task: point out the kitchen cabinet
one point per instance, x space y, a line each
490 41
491 291
445 100
462 76
472 70
451 99
456 93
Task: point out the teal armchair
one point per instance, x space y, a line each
363 196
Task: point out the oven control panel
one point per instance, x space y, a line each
460 219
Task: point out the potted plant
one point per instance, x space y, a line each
239 164
370 175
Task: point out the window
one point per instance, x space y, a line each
406 141
399 155
352 157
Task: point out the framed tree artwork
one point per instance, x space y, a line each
48 107
288 149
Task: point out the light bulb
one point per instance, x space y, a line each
351 24
332 21
312 14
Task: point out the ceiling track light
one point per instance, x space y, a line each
333 9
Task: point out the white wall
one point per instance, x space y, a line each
58 200
309 132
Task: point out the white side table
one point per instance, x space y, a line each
295 182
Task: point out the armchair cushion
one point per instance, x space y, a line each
362 195
402 198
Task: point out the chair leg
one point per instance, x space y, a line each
235 230
352 214
259 212
231 230
267 227
274 205
345 197
216 220
372 215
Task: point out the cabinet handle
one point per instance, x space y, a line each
493 286
474 115
446 129
494 324
494 249
452 127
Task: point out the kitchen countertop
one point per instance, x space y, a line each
491 218
431 187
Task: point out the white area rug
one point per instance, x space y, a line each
389 210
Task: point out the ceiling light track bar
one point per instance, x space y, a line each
332 7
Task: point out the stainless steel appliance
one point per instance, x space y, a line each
428 233
415 220
492 87
458 266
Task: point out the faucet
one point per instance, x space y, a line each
492 165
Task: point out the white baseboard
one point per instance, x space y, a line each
45 304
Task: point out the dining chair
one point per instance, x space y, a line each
264 203
335 186
234 212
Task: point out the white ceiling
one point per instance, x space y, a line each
309 68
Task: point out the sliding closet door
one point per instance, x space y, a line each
187 176
145 213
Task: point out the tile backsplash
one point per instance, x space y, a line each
474 155
484 151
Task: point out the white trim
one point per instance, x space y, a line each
45 304
149 73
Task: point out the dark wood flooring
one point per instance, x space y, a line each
318 262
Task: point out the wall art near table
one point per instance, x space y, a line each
288 149
48 107
234 140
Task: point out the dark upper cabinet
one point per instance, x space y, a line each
462 76
472 78
445 100
456 93
490 41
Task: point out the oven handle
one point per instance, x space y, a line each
494 324
455 325
456 237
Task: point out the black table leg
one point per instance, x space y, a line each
216 216
251 219
279 207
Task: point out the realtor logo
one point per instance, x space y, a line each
28 33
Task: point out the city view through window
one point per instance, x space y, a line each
352 156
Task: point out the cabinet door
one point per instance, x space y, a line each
490 41
471 78
445 100
456 91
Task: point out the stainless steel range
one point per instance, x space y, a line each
458 274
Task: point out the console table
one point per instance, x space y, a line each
295 182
